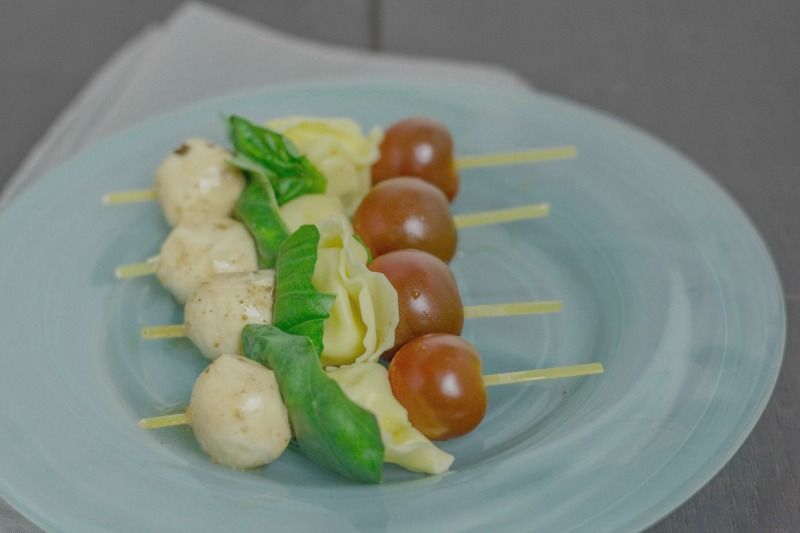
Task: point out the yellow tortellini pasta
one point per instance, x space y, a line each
313 209
368 385
365 313
339 149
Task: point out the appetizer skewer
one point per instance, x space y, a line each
322 319
521 157
423 291
530 307
482 218
501 378
400 400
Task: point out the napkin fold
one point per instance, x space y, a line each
199 52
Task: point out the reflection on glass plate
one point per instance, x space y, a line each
663 280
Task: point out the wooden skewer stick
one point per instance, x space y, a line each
135 270
571 371
500 216
532 307
506 378
167 331
173 331
130 197
483 218
165 421
537 155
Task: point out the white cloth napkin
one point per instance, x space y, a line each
200 52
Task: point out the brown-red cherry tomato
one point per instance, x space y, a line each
427 294
438 379
405 213
418 147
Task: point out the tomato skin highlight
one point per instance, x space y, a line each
405 213
418 147
438 379
427 294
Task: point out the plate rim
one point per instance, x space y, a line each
668 504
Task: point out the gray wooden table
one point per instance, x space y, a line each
718 80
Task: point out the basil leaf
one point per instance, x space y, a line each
329 428
257 209
267 153
300 308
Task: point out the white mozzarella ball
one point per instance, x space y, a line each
219 308
197 180
196 249
313 209
237 413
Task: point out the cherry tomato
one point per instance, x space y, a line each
426 293
406 213
438 379
418 147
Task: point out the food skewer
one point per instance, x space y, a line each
433 387
531 307
482 218
536 155
490 380
350 419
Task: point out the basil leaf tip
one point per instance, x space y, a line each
329 428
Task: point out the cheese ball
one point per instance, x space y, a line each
237 413
196 179
196 249
313 209
219 308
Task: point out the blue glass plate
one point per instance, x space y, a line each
663 278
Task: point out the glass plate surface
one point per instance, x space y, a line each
663 278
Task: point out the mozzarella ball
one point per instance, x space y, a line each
196 249
219 308
313 209
197 180
237 413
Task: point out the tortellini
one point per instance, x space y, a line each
196 179
365 313
219 308
237 413
368 385
198 248
339 149
313 209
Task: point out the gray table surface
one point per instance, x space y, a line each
718 80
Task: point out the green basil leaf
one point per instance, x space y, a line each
329 428
257 209
267 153
299 308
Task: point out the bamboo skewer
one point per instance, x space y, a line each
505 378
482 218
537 155
168 331
501 216
135 270
558 372
532 307
130 197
